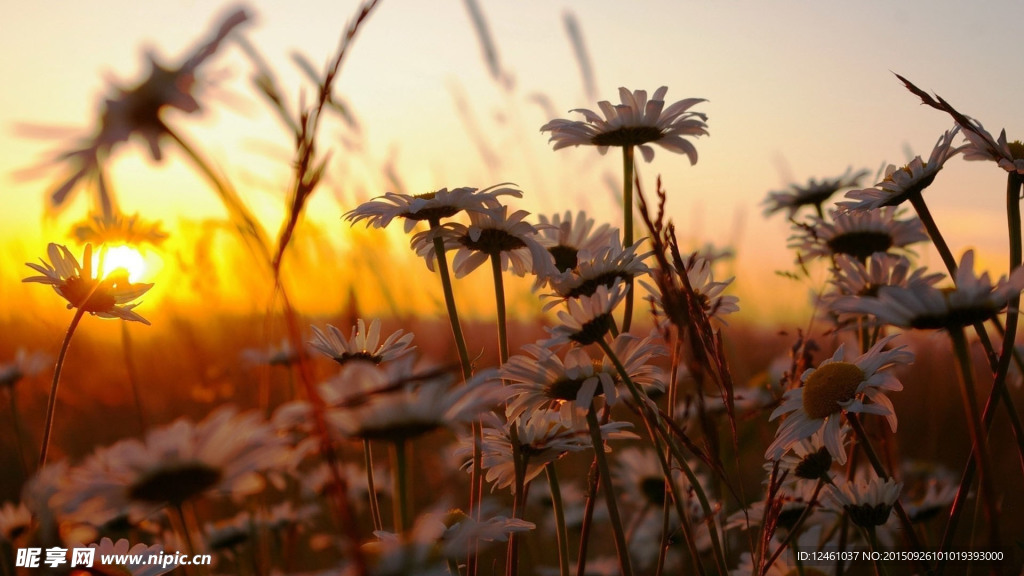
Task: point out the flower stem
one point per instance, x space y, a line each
52 402
449 301
609 493
400 473
133 376
19 436
873 542
378 523
791 534
559 511
627 226
917 201
981 455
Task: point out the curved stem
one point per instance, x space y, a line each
371 489
559 511
627 226
51 403
974 425
621 548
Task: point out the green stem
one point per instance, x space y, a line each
52 401
974 424
378 523
559 511
400 474
621 549
627 226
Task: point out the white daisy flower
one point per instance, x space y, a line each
572 240
815 193
637 121
226 454
431 207
412 405
541 380
588 318
981 146
363 344
858 233
15 520
24 365
639 474
867 503
709 293
602 267
902 183
495 233
834 387
109 297
280 354
922 306
462 532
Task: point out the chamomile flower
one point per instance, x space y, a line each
540 379
982 146
867 503
834 387
638 473
431 207
571 240
115 228
856 233
489 235
710 294
15 520
588 318
602 267
463 532
363 344
637 121
814 193
922 306
109 297
900 184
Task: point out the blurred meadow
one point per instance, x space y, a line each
231 180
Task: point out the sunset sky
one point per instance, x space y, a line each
795 90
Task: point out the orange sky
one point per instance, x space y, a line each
794 90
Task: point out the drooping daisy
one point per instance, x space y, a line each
227 453
571 240
637 121
588 318
902 183
856 233
109 297
462 532
397 410
834 387
431 207
115 228
815 193
867 503
363 344
491 234
922 306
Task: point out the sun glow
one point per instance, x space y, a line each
108 259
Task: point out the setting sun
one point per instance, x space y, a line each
106 260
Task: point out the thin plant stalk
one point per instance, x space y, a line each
371 489
791 534
51 403
627 226
449 301
400 475
593 482
873 542
621 548
559 511
133 375
977 431
19 436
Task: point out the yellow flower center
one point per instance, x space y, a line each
829 385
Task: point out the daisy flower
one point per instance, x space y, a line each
602 267
637 121
463 532
981 146
115 228
708 292
15 520
491 234
867 503
362 344
107 549
570 240
815 193
280 354
544 437
431 207
541 380
25 364
226 454
109 297
851 277
835 387
640 475
922 306
856 233
414 405
900 184
588 318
